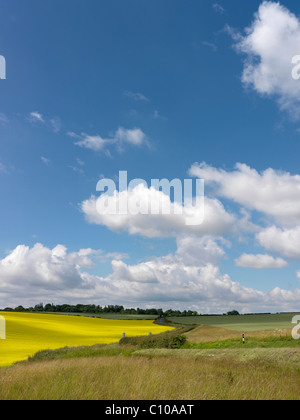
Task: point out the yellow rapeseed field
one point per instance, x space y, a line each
26 333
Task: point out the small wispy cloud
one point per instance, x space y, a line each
79 167
80 162
45 160
218 8
3 168
3 119
76 169
134 137
157 116
95 143
136 96
54 124
73 135
210 45
36 117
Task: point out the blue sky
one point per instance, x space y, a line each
203 97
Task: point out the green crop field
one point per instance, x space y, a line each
241 322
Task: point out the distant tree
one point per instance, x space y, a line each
20 309
97 309
234 312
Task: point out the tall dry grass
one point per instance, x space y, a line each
147 378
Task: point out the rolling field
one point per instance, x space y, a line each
28 333
242 323
213 364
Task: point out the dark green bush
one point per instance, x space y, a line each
169 340
178 342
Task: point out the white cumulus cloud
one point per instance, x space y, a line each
283 241
216 220
274 193
190 277
43 267
269 44
260 261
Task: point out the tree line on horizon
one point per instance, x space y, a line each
113 309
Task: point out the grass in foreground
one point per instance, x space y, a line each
150 377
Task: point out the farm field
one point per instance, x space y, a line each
28 333
212 364
241 323
122 317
